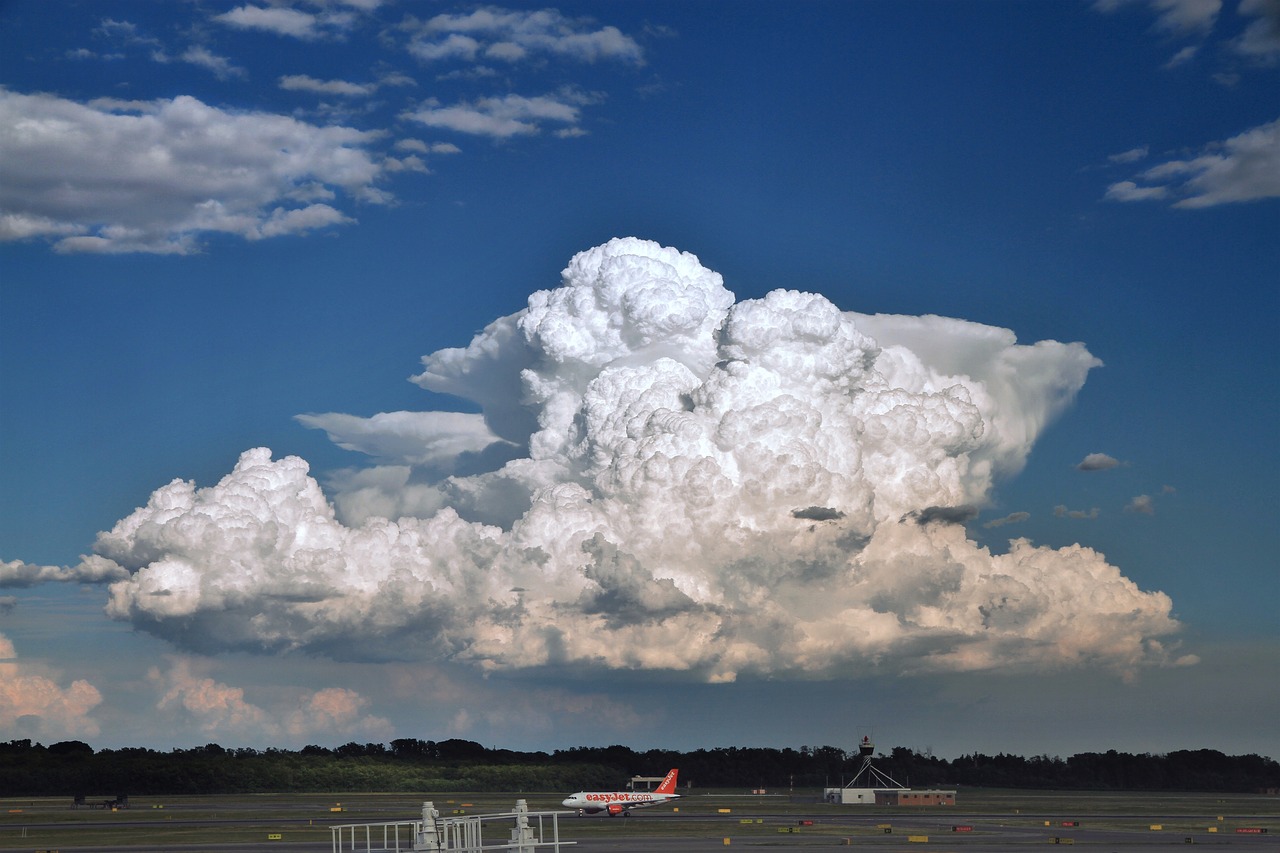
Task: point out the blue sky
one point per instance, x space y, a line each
700 516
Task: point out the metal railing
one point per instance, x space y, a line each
434 834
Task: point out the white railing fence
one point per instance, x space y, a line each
465 834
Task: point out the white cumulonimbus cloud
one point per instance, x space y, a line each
111 177
674 481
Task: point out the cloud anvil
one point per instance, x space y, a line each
661 478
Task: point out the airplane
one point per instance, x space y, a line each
622 802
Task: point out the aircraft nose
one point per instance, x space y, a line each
566 801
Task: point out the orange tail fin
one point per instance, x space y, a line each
668 785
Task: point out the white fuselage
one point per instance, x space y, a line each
614 802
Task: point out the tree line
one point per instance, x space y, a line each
68 768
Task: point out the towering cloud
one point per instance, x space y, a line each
661 478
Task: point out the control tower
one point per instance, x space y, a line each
868 776
873 787
865 783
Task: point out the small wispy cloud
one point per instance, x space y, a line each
1256 41
1179 17
1129 191
505 116
1260 40
1142 504
84 54
1243 168
329 21
1131 156
281 21
420 147
1011 518
342 88
145 184
511 36
1061 511
1182 57
304 83
121 32
202 57
1097 462
92 569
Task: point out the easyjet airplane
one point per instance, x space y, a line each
622 802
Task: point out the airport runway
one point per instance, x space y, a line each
624 844
693 845
921 834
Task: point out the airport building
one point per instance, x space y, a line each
869 786
908 797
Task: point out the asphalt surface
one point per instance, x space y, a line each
913 832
